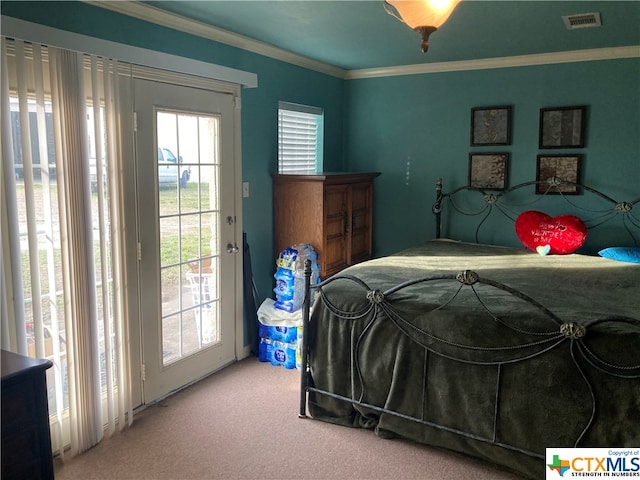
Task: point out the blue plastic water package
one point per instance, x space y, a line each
289 276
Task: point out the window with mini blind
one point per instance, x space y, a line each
300 138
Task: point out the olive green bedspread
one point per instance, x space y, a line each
474 369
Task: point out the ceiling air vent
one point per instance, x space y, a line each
582 20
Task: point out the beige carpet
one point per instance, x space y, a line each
242 423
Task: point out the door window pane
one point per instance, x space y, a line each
188 199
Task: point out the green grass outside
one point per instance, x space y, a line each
171 244
175 248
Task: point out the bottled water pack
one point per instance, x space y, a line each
277 353
289 276
278 333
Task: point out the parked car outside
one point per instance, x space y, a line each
170 170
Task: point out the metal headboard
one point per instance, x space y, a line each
498 200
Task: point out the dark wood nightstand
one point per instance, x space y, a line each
26 438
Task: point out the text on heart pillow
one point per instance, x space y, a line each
562 234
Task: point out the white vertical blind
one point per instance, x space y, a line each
299 138
63 263
14 335
77 251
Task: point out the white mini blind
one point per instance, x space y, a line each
300 129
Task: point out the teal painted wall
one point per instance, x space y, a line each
413 128
416 128
276 81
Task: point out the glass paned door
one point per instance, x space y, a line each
184 143
188 186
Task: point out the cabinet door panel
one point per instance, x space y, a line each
335 226
361 198
336 198
335 254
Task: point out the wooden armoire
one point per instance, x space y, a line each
333 212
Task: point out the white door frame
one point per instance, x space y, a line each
241 350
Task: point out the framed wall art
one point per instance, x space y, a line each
490 126
488 171
562 127
564 167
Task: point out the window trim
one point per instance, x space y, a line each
16 28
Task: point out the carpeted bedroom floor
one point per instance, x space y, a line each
242 423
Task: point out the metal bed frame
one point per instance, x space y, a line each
543 342
559 333
498 201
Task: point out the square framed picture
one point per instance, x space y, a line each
552 168
490 126
562 127
488 171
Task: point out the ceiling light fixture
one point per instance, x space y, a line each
423 16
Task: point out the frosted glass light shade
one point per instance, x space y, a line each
424 13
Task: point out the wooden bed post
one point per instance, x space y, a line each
437 207
304 353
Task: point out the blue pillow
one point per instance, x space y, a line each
622 254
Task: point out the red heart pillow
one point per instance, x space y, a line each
563 234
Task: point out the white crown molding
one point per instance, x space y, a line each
34 32
193 27
161 17
614 53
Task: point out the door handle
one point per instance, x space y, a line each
232 248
